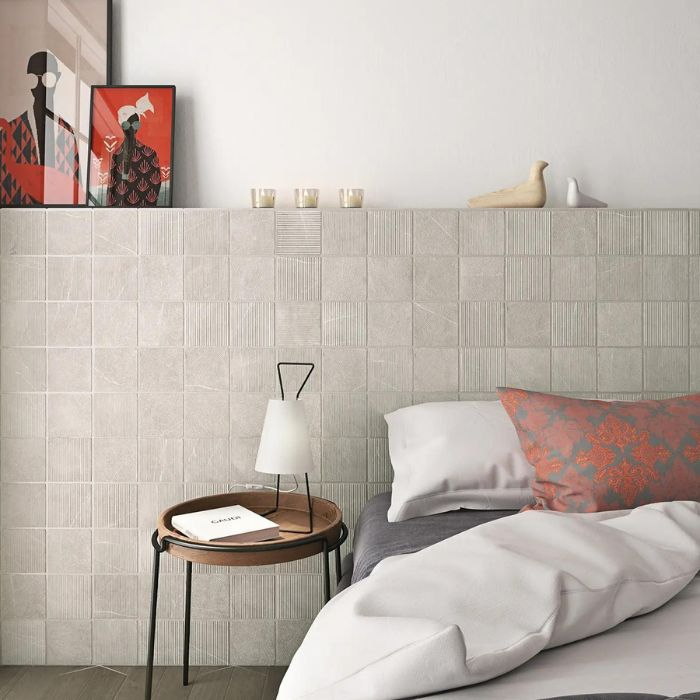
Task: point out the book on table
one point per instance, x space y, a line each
227 524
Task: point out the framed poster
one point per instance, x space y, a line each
131 146
51 53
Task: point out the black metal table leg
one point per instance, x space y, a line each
338 572
326 573
157 551
188 610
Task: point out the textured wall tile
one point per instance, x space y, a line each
169 641
619 324
481 369
22 232
482 323
206 323
22 459
114 551
344 232
390 369
116 279
23 596
115 231
298 278
527 278
389 232
69 505
344 459
115 505
205 231
69 369
252 279
207 369
666 232
153 499
115 642
115 324
619 369
527 324
22 324
162 323
209 642
620 232
160 415
574 232
573 323
247 414
389 323
206 459
380 404
161 369
694 275
114 415
528 368
252 324
206 278
23 641
528 232
344 279
252 597
350 497
69 232
23 278
344 415
435 369
23 551
666 369
114 596
160 278
298 232
619 278
114 369
244 451
298 323
694 323
436 232
665 323
68 643
69 459
435 278
252 642
299 597
161 232
69 551
171 594
390 278
206 415
482 232
253 370
344 369
22 415
68 324
114 459
573 279
665 279
69 415
23 369
252 232
435 324
481 279
344 323
378 462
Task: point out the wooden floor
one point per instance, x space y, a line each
128 683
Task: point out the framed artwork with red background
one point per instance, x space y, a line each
131 146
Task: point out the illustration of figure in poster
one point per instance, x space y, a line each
39 161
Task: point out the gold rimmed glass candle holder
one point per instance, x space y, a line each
306 198
351 197
262 198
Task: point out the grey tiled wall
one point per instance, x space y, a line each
138 354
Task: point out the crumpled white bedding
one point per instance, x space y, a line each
485 601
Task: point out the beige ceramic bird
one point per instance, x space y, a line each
532 193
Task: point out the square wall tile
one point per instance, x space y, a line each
69 232
252 324
573 278
573 323
114 642
665 278
23 641
161 232
115 231
436 232
435 278
292 376
69 505
206 278
481 232
22 232
252 231
69 459
435 369
161 369
619 324
389 323
252 642
344 415
23 551
344 279
22 369
252 279
481 279
115 278
23 505
666 232
390 278
344 232
68 324
160 415
160 459
22 459
161 324
298 278
574 369
344 323
69 369
527 278
23 596
528 368
207 369
345 369
620 232
380 404
114 415
206 231
115 506
160 278
114 369
390 369
389 232
114 596
247 414
206 415
68 597
115 324
666 369
298 323
435 324
482 323
619 278
298 232
69 415
574 232
619 369
528 232
666 323
22 415
69 551
114 459
22 324
68 643
527 324
206 460
22 279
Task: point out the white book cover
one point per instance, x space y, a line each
228 524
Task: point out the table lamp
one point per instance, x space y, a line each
285 447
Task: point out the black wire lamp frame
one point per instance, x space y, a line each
311 367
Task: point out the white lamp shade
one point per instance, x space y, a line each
284 444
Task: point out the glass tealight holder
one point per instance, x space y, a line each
351 197
306 198
262 198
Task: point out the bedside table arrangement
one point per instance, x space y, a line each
289 510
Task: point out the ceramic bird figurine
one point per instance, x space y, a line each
532 193
576 199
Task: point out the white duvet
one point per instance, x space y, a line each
485 601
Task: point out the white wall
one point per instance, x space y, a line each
424 102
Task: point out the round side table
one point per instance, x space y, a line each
328 534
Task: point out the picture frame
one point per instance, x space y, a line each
50 61
131 146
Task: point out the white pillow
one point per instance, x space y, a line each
455 454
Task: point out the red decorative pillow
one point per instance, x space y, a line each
607 455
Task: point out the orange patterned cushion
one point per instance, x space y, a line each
599 455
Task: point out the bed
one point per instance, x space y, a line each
659 652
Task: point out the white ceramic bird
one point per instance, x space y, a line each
531 193
577 200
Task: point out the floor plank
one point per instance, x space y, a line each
9 675
170 684
212 683
272 683
135 682
103 683
247 683
35 683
